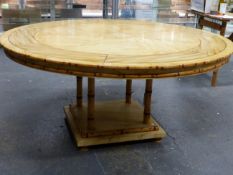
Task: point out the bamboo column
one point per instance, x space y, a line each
79 91
79 99
91 98
128 91
147 101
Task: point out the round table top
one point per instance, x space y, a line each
116 48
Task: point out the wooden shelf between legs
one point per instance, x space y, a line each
113 122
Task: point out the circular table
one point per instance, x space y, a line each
115 49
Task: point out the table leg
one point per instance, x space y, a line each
214 78
79 91
215 73
231 37
128 91
147 100
200 25
223 28
91 98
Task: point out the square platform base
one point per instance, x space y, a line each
114 122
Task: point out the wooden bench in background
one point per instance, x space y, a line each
214 22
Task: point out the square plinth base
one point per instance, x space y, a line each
113 122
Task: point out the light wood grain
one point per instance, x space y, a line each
117 48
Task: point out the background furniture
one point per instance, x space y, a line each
12 18
69 13
214 22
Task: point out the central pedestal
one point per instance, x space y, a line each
113 122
